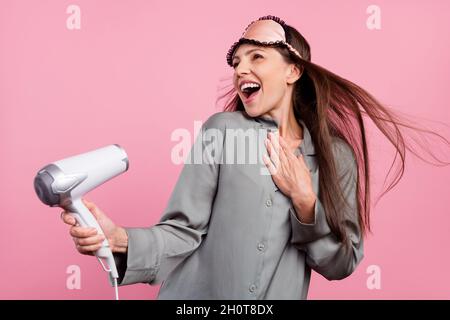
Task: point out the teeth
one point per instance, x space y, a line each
249 85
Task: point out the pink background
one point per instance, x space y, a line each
138 70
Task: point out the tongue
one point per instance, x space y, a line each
253 93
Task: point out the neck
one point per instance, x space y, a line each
288 126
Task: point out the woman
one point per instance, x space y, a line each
250 231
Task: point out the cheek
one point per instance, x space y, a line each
235 83
274 89
271 80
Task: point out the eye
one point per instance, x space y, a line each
255 56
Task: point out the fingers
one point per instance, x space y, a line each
273 155
88 249
88 204
68 219
82 232
280 146
278 149
274 138
87 240
90 241
269 165
284 148
279 153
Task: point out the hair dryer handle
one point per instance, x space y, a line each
85 218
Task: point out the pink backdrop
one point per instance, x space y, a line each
138 70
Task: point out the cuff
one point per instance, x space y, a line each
121 264
140 263
303 233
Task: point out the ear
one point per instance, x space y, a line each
293 73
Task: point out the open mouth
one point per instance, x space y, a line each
249 90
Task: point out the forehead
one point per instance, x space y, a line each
245 47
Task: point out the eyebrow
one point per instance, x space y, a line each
248 52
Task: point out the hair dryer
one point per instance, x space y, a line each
63 183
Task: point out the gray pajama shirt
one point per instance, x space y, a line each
228 232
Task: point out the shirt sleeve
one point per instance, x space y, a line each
155 251
324 253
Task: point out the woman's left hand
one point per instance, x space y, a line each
289 172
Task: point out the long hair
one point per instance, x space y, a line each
332 106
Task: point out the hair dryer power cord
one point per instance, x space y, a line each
116 288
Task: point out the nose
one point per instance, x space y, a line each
242 68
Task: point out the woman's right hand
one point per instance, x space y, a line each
87 240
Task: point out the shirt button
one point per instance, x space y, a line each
261 246
268 202
252 288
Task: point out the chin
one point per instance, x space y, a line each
253 111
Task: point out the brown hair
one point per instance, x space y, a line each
330 107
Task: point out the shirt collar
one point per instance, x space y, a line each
306 147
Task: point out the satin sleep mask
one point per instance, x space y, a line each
266 31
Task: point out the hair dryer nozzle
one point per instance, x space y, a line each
42 185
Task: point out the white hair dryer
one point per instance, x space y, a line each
63 183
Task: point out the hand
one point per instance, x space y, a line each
291 175
87 240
